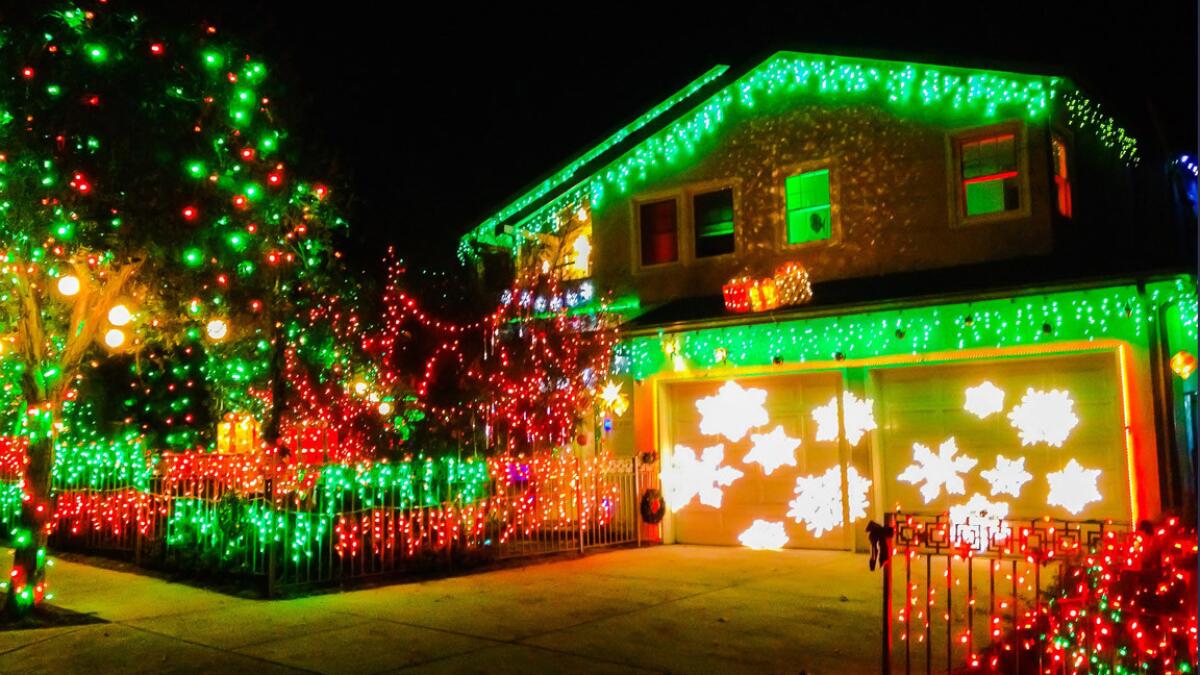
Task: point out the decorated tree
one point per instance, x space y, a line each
522 378
149 213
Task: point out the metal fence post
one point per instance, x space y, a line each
269 492
637 511
579 501
886 664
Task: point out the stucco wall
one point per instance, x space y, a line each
891 182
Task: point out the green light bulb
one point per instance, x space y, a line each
193 257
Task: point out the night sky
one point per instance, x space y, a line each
433 119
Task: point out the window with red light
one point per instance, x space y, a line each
659 230
1062 180
990 175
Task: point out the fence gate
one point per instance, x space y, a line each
957 595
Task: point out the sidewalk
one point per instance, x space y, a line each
681 609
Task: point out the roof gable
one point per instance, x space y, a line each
668 132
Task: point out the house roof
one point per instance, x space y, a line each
668 132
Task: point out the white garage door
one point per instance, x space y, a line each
1061 418
755 424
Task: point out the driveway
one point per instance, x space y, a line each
678 609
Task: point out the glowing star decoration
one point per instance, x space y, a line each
1044 417
859 417
979 523
1008 476
772 450
764 535
937 470
732 412
1073 488
685 477
614 399
818 502
984 400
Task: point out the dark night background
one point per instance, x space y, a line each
430 116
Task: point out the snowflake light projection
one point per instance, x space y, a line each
979 522
860 418
1074 487
818 502
1008 476
764 535
772 450
732 412
685 477
1044 417
984 400
937 470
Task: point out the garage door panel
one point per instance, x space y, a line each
1096 442
756 495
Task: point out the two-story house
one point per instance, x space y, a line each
960 352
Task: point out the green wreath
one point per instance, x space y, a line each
653 507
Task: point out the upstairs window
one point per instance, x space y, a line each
1062 182
577 255
808 206
713 214
659 232
990 176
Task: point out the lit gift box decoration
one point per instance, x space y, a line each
792 284
312 444
763 295
237 433
789 286
737 294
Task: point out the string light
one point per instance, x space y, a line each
119 315
955 96
114 338
68 285
216 330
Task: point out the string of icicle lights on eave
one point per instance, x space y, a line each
1119 312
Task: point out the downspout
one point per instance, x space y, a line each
1172 462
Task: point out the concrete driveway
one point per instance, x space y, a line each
678 609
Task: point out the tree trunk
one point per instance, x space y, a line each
278 379
27 583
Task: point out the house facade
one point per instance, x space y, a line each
852 286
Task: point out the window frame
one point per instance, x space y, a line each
835 216
689 194
636 254
955 139
1068 140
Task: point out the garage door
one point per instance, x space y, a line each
1035 436
737 448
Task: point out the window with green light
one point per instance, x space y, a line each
808 213
990 174
713 213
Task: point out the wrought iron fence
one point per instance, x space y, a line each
567 506
339 523
971 586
